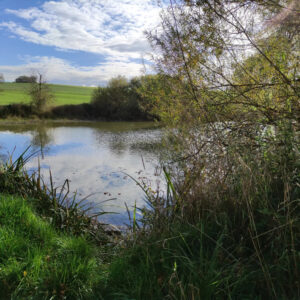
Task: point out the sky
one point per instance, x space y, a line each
76 42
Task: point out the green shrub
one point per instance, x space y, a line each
120 100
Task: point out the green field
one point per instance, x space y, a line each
64 94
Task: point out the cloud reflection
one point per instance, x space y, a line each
95 161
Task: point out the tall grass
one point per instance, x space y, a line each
51 246
227 226
37 262
230 231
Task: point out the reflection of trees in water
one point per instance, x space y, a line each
151 147
140 142
3 157
42 136
116 142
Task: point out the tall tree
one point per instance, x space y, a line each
40 93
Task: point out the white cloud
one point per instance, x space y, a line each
115 27
61 71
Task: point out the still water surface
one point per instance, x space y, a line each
95 157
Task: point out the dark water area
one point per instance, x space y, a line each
95 157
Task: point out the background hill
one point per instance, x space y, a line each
64 94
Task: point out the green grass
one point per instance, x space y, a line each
38 262
238 240
64 94
204 240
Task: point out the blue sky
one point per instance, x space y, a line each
79 42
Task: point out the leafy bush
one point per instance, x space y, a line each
119 100
16 110
41 95
26 79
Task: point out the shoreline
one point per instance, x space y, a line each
20 121
84 112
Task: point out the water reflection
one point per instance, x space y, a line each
41 137
94 158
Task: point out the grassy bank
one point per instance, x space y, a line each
205 240
15 93
39 262
50 247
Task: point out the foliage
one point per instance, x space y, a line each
228 225
204 45
26 79
16 110
155 92
41 95
120 100
71 102
212 237
117 82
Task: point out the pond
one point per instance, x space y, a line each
95 157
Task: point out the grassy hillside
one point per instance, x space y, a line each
64 94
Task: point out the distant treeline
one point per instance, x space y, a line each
26 79
121 99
